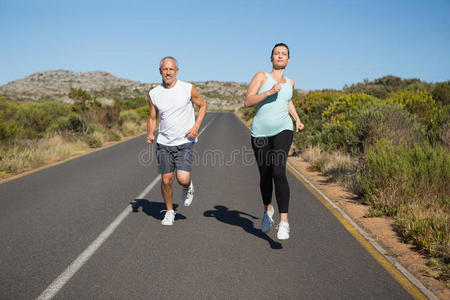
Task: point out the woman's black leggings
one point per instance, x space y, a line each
271 156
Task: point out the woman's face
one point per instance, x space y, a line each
280 57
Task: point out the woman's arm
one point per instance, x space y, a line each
252 97
293 112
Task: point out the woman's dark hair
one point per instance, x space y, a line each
280 44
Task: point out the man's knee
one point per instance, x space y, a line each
183 178
167 179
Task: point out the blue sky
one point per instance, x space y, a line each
332 43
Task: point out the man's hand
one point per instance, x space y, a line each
192 133
150 138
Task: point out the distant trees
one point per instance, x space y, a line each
386 86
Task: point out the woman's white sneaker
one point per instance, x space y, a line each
168 218
267 221
283 230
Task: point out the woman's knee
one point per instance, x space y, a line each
279 173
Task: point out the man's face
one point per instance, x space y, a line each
169 71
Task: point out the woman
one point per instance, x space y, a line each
272 135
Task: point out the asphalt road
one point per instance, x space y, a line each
214 249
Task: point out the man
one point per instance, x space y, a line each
174 101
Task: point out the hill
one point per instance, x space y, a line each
56 85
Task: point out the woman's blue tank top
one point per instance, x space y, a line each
272 115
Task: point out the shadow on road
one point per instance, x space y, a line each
233 217
153 209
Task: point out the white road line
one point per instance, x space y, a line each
207 124
65 276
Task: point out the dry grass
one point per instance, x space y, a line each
95 140
31 153
312 155
340 167
113 135
130 128
22 154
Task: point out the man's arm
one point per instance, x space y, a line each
151 122
198 100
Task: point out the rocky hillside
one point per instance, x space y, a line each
55 85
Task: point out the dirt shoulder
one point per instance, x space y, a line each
380 228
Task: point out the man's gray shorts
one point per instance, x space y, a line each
174 157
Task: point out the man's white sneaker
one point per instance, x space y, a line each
188 195
283 230
267 221
168 218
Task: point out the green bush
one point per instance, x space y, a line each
113 135
339 121
343 108
132 103
330 119
394 174
34 117
411 184
422 105
94 128
439 129
33 120
441 92
427 226
129 115
340 136
390 122
61 125
93 141
314 103
416 102
311 135
310 108
77 125
143 112
8 128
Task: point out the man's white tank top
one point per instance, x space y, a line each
176 113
